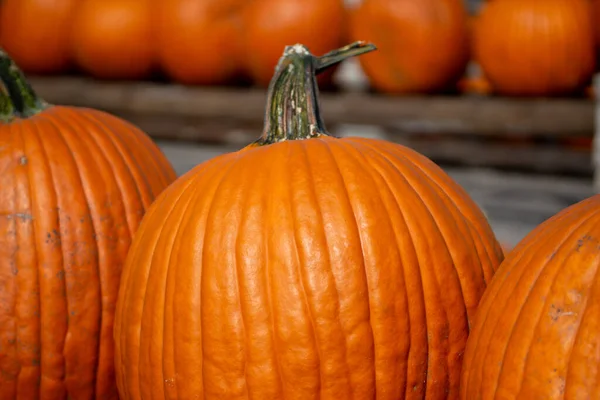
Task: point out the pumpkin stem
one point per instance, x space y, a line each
7 111
292 101
24 100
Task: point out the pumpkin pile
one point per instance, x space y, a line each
523 47
192 41
75 184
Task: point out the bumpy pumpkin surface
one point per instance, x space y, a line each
303 266
74 185
536 331
424 45
536 48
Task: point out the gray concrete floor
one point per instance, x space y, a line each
514 203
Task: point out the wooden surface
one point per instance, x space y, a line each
450 114
514 203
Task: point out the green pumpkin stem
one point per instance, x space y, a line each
7 110
24 100
292 111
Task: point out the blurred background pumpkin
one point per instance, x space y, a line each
36 33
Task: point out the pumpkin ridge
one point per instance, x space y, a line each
410 176
459 215
173 377
535 284
128 156
300 274
312 174
464 208
91 129
170 239
24 235
412 169
433 283
583 326
221 188
410 314
510 295
131 179
156 238
138 140
121 341
577 326
60 127
51 370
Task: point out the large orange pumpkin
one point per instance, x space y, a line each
424 45
536 331
303 266
536 48
75 184
198 40
271 24
112 39
36 33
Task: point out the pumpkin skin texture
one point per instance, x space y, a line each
112 39
424 46
198 40
75 185
303 266
536 331
319 24
35 33
536 48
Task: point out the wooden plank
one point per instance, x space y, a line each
426 114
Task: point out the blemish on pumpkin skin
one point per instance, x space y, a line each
23 160
21 216
557 312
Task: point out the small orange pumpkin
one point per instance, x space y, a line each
319 24
536 331
424 45
35 33
198 40
303 266
536 48
112 39
75 185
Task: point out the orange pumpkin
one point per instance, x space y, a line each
75 185
197 40
112 39
536 331
424 45
318 24
36 32
536 48
303 266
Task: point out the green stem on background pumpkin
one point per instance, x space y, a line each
24 100
7 111
292 111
